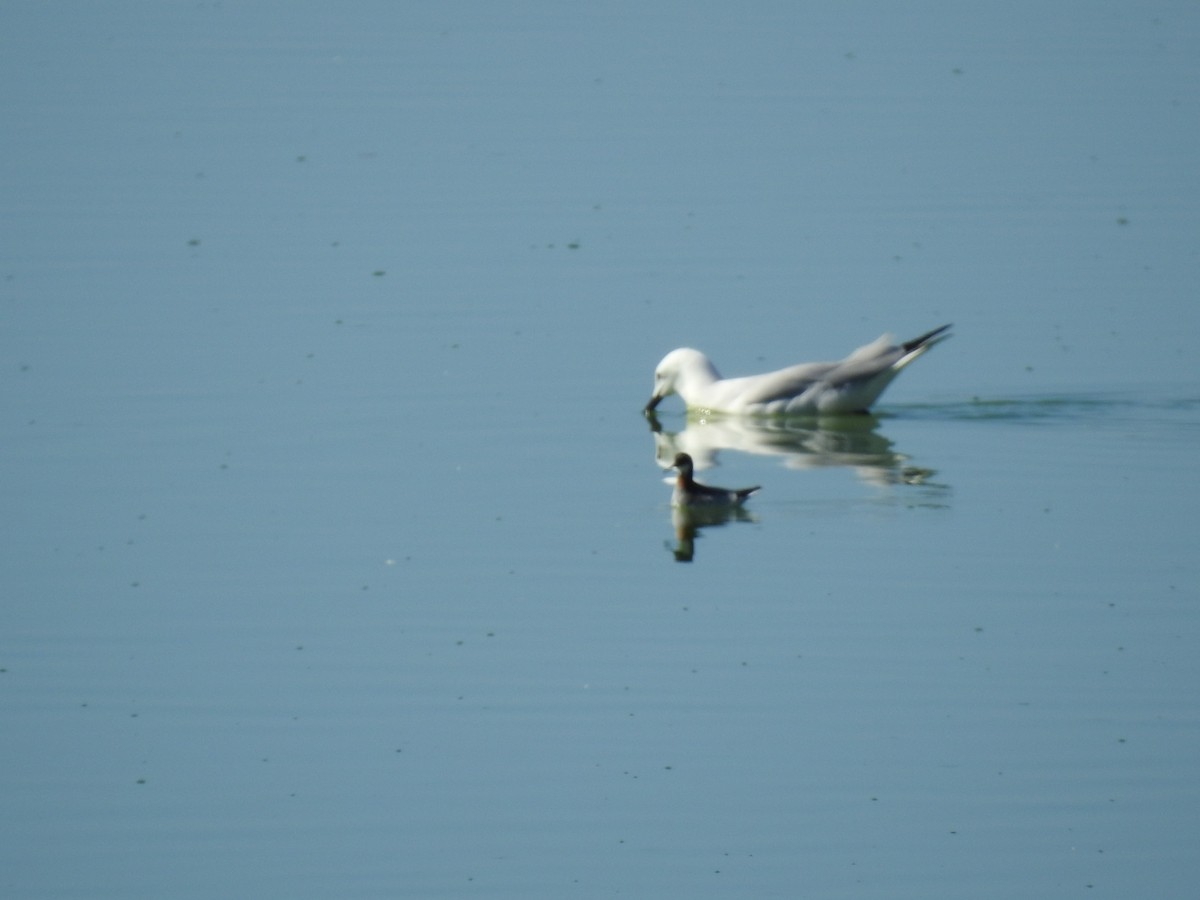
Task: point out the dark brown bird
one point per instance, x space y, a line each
690 492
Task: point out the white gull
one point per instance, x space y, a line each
827 388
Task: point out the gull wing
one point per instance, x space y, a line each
883 354
783 383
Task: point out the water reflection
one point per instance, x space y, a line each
802 444
689 521
851 441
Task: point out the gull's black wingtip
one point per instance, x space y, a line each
928 339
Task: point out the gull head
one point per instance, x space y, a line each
681 372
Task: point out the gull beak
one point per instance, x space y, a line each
654 401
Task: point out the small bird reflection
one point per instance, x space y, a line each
690 520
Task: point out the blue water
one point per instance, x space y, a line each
338 558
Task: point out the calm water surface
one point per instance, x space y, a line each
339 560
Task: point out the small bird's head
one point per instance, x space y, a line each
683 463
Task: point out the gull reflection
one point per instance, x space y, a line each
850 441
801 444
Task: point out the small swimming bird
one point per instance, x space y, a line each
828 388
690 492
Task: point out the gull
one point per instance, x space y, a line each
691 493
828 388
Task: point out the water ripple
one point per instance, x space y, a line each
1168 408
